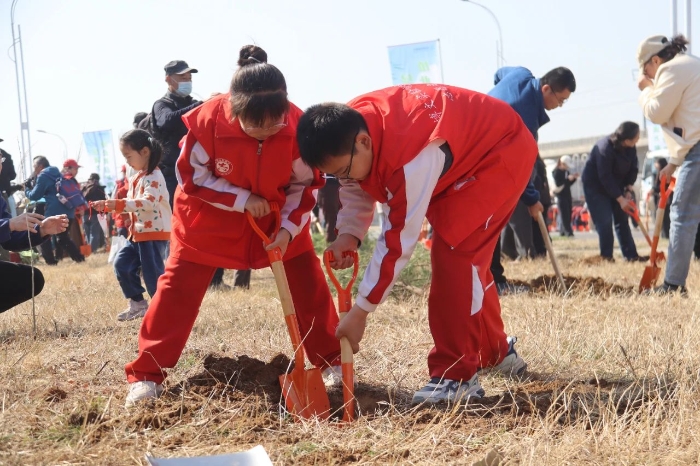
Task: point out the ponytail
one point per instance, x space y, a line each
679 44
137 139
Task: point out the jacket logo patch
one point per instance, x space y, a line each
223 167
460 184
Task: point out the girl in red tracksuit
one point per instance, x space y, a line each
456 156
239 155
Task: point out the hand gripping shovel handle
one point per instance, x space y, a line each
634 213
346 357
663 200
550 250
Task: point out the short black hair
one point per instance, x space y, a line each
327 130
138 117
41 160
559 79
626 131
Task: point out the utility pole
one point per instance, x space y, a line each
21 91
674 17
688 22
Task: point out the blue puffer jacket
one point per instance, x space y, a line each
519 88
45 188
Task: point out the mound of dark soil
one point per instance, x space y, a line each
245 374
547 284
593 285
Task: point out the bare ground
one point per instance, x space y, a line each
613 378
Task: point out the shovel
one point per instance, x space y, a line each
346 357
550 250
85 248
652 271
634 213
303 389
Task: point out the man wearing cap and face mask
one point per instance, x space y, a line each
168 112
670 83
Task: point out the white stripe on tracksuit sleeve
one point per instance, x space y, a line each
421 176
199 161
302 177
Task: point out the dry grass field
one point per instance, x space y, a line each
613 378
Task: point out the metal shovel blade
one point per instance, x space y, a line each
305 394
649 278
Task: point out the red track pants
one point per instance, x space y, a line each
463 308
174 308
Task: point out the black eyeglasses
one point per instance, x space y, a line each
346 173
561 102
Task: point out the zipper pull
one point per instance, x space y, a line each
259 147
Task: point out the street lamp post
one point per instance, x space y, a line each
65 146
500 61
23 115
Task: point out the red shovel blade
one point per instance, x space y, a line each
305 394
649 278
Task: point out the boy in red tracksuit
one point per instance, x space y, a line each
460 158
239 154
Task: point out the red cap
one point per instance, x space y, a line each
70 163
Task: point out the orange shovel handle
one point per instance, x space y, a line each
344 295
346 356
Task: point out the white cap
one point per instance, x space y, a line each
566 160
650 47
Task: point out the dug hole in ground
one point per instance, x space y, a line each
612 376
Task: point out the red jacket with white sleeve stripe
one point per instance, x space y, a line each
219 167
492 153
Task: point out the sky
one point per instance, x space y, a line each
90 65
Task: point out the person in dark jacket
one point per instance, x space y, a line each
563 179
168 112
531 98
93 191
18 283
45 188
8 174
541 184
608 179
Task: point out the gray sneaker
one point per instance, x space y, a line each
448 391
136 310
512 365
144 390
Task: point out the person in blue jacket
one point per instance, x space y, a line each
608 182
531 97
45 188
17 282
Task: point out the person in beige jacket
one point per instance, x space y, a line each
670 85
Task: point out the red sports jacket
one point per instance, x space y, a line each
218 169
493 155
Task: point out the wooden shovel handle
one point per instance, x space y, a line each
550 250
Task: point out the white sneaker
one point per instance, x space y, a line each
136 310
333 376
512 365
448 391
145 390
